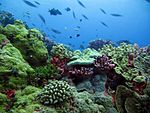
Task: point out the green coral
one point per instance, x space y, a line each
61 51
119 55
86 57
47 71
28 41
25 100
56 92
3 102
11 59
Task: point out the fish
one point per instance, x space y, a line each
103 11
78 27
70 36
55 31
104 24
53 36
67 9
80 3
117 15
37 3
33 24
85 16
27 13
54 12
77 35
147 1
80 20
74 16
42 18
29 3
0 3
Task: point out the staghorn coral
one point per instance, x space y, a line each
28 41
56 92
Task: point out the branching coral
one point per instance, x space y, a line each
56 92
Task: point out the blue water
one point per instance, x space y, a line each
134 25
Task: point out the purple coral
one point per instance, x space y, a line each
99 43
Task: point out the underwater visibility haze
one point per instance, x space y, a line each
74 56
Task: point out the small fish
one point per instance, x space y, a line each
80 20
33 24
0 3
55 31
53 36
42 18
29 3
85 16
70 36
74 16
27 13
54 12
117 15
80 3
77 35
78 27
103 11
67 9
104 24
37 3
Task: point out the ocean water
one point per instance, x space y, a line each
133 24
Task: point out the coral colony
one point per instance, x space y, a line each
40 76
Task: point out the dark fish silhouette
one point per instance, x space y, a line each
117 15
103 11
67 9
0 3
54 12
80 3
33 24
70 36
74 16
85 16
77 35
42 18
29 3
55 31
147 1
80 20
27 13
53 36
104 24
37 3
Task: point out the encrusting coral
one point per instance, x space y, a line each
28 41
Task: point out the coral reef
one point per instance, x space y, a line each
28 41
98 43
6 18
